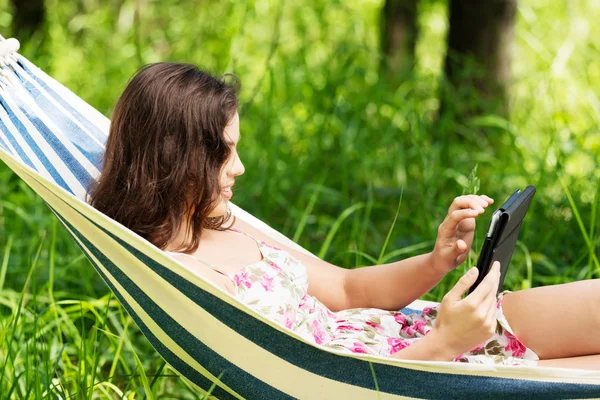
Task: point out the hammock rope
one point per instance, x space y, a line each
54 141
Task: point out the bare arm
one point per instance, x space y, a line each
392 286
389 286
395 285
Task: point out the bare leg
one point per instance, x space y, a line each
557 321
582 362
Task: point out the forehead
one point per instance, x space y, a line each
232 130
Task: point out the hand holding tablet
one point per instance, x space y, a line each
502 234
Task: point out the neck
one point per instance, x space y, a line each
182 236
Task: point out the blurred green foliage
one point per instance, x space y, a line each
328 145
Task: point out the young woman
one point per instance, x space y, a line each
170 164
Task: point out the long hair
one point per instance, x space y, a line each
165 152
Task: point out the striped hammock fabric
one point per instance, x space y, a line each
54 141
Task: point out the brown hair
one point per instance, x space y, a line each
164 153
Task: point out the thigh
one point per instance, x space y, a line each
557 321
582 362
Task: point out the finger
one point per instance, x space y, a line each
463 284
460 246
487 198
489 283
490 299
460 249
484 200
492 316
448 227
492 312
467 201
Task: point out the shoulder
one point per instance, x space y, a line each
205 271
325 280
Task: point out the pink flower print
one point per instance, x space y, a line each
420 326
499 302
275 267
272 247
290 318
397 344
319 334
409 330
304 303
267 282
348 328
400 319
329 313
514 345
374 325
427 310
359 347
242 279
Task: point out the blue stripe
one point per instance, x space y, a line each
100 135
211 360
3 145
90 149
167 354
391 379
34 147
79 171
409 311
11 139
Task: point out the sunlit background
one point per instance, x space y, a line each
333 146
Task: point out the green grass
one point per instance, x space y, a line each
336 157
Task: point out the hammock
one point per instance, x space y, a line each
54 141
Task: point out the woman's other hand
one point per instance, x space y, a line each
463 324
455 233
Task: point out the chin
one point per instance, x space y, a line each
220 209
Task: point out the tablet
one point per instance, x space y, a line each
502 234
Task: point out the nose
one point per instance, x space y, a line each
237 168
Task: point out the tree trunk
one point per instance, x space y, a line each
477 65
398 36
28 17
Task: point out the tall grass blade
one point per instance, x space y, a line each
582 228
4 266
407 250
374 379
336 225
12 334
307 211
387 239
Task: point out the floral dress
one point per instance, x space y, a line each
277 287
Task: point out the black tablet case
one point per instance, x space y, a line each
500 246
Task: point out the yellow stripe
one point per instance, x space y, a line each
231 345
216 335
155 329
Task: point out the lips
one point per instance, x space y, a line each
227 192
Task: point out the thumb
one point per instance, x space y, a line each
464 283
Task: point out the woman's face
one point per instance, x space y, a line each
233 166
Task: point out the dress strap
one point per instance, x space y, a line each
213 266
258 242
